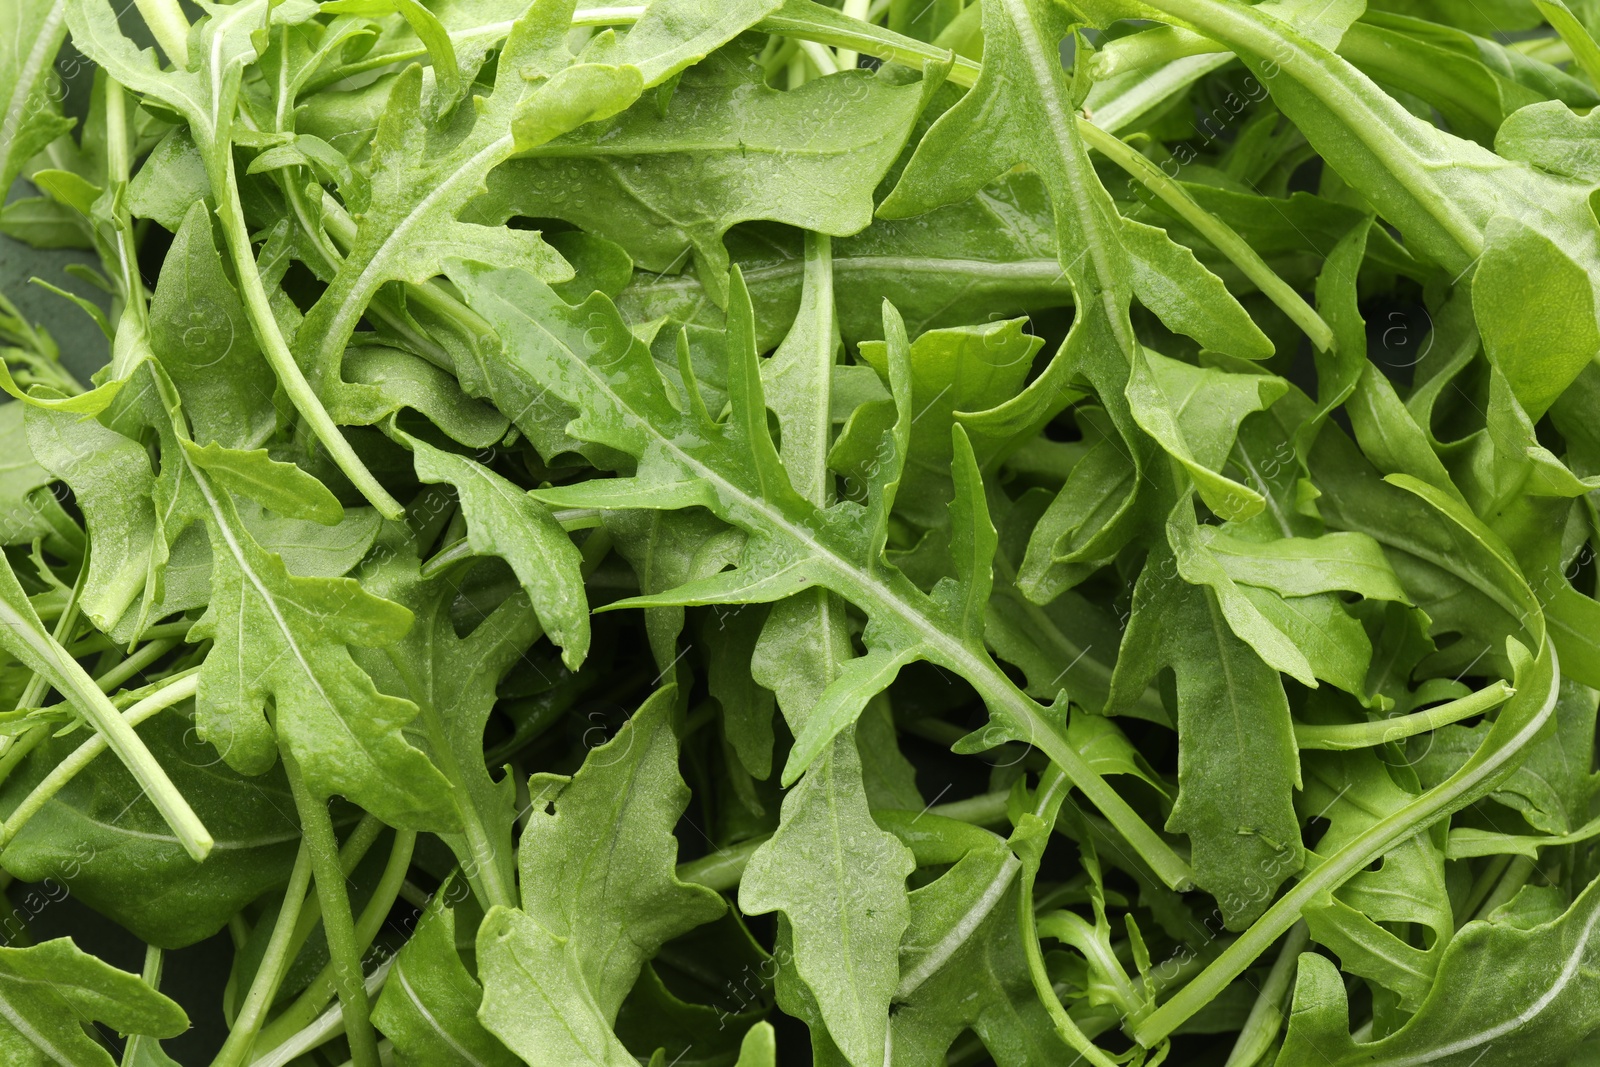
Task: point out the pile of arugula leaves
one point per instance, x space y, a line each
723 532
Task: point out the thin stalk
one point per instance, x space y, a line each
1266 1015
825 61
1484 884
460 550
276 350
238 931
169 27
861 38
1219 233
144 657
75 685
140 1046
855 9
337 922
415 895
1052 787
117 168
99 642
986 809
1374 120
1371 843
274 963
327 1027
722 869
1348 736
873 41
13 748
351 853
304 1011
84 754
1070 928
1517 873
1577 39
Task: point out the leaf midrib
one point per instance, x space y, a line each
358 293
271 602
992 684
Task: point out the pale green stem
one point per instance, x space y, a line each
329 1025
144 657
460 550
169 27
1072 929
304 1011
230 211
1052 783
867 40
798 70
140 1046
1375 120
615 15
269 973
74 683
1371 843
337 923
825 61
856 9
352 852
1213 229
1484 884
1584 51
1518 871
84 754
12 747
99 642
722 869
986 809
1261 1027
117 168
1369 734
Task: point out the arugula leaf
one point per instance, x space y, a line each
288 638
1537 1007
1231 709
1409 886
53 989
994 253
33 33
101 839
200 333
452 682
111 479
848 912
503 520
430 1002
282 487
961 930
727 149
731 473
724 321
594 909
